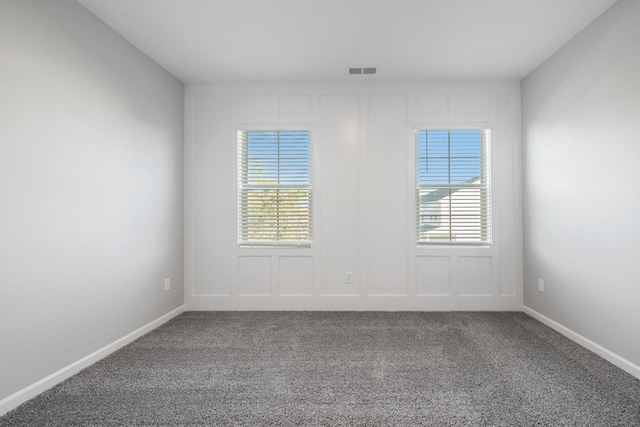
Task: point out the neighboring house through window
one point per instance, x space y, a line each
274 188
453 187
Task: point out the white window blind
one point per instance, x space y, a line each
274 188
453 187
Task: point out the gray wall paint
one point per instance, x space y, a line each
91 188
581 126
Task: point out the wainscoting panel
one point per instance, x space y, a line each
386 211
296 275
472 104
294 105
510 259
339 186
254 275
211 185
254 106
433 276
434 104
364 254
475 276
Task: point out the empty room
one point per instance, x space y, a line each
337 212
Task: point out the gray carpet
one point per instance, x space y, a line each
343 368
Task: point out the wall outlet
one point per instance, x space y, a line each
541 285
348 278
167 284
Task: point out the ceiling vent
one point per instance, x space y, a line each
362 71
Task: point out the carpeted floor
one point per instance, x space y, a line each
343 368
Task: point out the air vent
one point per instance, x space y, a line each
360 71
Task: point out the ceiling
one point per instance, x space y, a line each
216 41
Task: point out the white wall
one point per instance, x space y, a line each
91 189
581 128
364 223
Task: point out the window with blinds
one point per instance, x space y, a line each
274 188
453 187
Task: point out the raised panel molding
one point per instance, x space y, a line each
254 106
510 276
475 275
210 245
433 276
435 104
339 209
254 275
294 105
363 207
296 276
472 104
388 194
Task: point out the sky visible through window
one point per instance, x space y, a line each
449 157
279 157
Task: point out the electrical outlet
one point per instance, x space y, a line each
541 285
167 284
348 277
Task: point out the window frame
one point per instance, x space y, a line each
487 227
281 244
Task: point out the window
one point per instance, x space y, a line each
453 187
274 188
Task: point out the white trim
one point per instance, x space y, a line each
274 125
351 303
18 398
608 355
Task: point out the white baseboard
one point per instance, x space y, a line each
31 391
352 303
608 355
